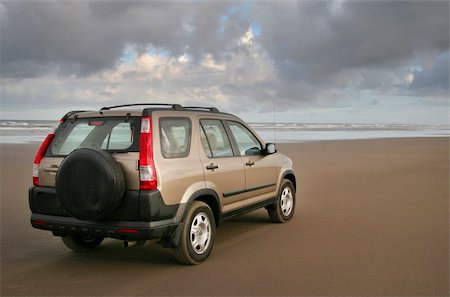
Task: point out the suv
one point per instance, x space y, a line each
163 172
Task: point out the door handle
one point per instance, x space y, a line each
250 163
51 169
212 167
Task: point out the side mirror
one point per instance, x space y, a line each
254 151
270 149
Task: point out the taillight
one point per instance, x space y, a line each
39 156
147 172
128 231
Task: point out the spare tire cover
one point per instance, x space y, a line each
90 184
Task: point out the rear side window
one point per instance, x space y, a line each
214 139
109 134
175 137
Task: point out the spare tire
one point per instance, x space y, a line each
90 184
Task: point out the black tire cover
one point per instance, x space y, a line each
90 184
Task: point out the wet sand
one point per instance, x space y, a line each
372 218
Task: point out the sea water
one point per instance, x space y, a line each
18 131
302 132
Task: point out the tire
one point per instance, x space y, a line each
283 208
81 243
197 235
90 184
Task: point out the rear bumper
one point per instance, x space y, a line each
137 206
142 215
124 230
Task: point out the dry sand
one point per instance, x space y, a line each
372 219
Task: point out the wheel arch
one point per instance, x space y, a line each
289 175
209 197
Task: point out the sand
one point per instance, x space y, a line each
372 218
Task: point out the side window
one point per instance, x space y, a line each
216 138
247 143
175 137
120 138
205 144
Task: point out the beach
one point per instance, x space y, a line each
372 218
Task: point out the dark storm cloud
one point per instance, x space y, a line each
308 40
84 37
307 53
314 40
209 33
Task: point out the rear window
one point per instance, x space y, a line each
115 134
175 137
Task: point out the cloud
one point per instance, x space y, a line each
434 78
82 37
314 40
330 55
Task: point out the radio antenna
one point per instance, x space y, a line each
274 123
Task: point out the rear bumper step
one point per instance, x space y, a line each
124 230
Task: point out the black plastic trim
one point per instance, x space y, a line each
205 192
145 206
234 193
174 106
71 113
290 172
211 109
228 194
248 208
149 110
125 230
43 200
153 208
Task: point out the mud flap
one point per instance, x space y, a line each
173 240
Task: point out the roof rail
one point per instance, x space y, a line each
174 106
211 109
71 113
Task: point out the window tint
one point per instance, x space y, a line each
175 137
247 143
217 139
205 144
74 139
121 137
110 134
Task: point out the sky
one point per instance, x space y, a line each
296 61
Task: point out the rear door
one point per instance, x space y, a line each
224 170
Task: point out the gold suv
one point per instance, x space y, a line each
165 171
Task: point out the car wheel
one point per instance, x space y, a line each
81 243
283 208
197 235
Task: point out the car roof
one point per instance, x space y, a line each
130 110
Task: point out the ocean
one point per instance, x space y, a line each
20 131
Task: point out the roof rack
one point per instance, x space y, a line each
174 106
211 109
71 113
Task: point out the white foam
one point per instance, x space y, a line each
17 131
